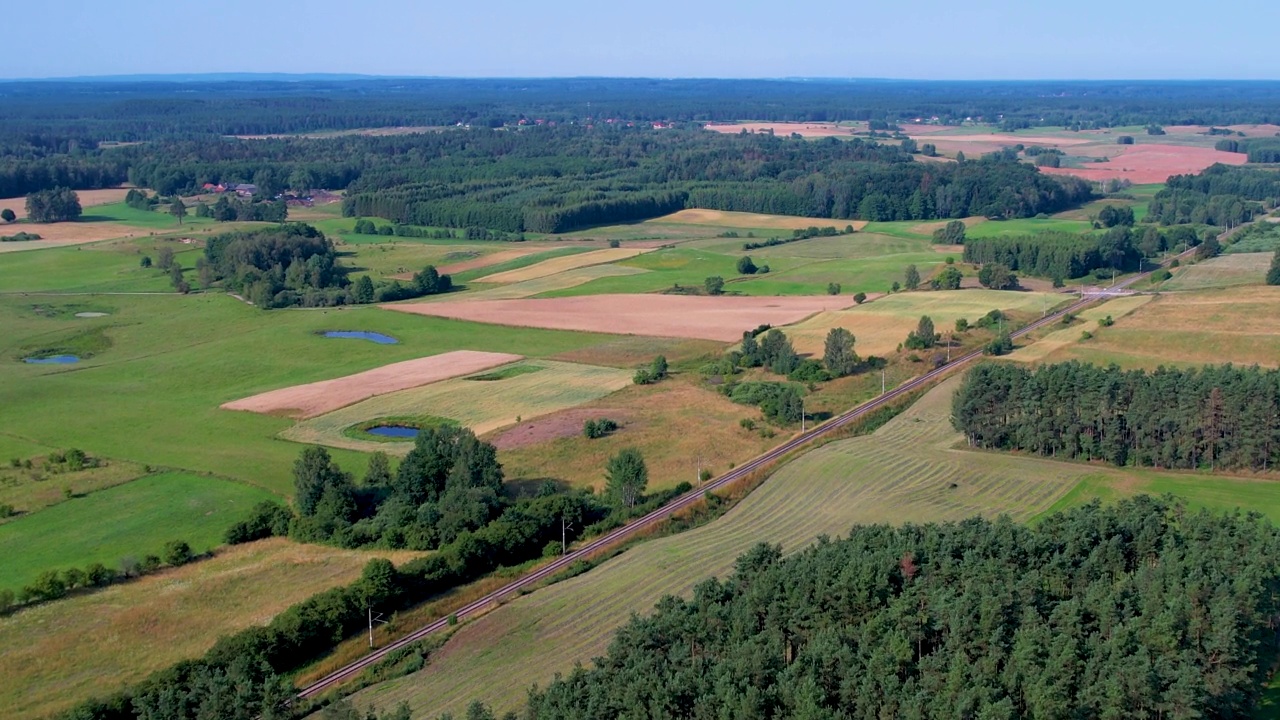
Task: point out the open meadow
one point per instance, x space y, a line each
58 653
134 519
908 471
1238 325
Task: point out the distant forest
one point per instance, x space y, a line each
1141 610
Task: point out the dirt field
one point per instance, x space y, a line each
879 326
560 264
786 128
723 218
559 425
64 234
721 318
312 399
1152 163
88 198
60 653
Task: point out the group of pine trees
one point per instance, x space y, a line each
1143 609
1057 254
1214 417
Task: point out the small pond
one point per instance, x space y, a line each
362 335
394 431
52 360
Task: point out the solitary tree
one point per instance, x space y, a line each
997 277
178 209
949 279
912 279
164 257
714 285
626 477
8 215
746 266
838 354
923 337
178 552
951 234
860 298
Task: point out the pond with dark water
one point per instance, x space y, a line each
393 431
362 335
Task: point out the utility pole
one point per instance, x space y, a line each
565 527
881 381
373 620
949 348
801 416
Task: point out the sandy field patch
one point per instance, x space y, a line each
1152 163
725 218
88 198
721 318
559 281
786 128
879 326
560 264
63 234
317 398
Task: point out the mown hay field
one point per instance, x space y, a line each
726 218
1221 272
908 471
1092 317
130 520
881 325
1239 325
529 288
29 490
480 405
560 264
60 653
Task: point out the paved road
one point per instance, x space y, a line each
683 501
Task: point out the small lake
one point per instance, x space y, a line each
52 360
362 335
394 431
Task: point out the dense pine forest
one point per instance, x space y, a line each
1213 417
1141 610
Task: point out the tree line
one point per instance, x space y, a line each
1142 609
1057 254
1221 195
1221 417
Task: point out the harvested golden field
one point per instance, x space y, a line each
561 264
88 198
678 427
880 325
63 652
725 218
64 233
721 318
1058 339
317 398
482 405
529 288
1239 325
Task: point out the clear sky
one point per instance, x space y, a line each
931 39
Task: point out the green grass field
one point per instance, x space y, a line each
1221 272
150 219
153 396
908 471
133 519
480 405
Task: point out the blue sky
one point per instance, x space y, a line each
932 39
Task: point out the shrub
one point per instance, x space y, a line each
746 266
860 298
593 428
177 553
615 244
833 288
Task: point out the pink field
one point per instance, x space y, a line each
707 318
1152 163
318 398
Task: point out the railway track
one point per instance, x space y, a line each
496 597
